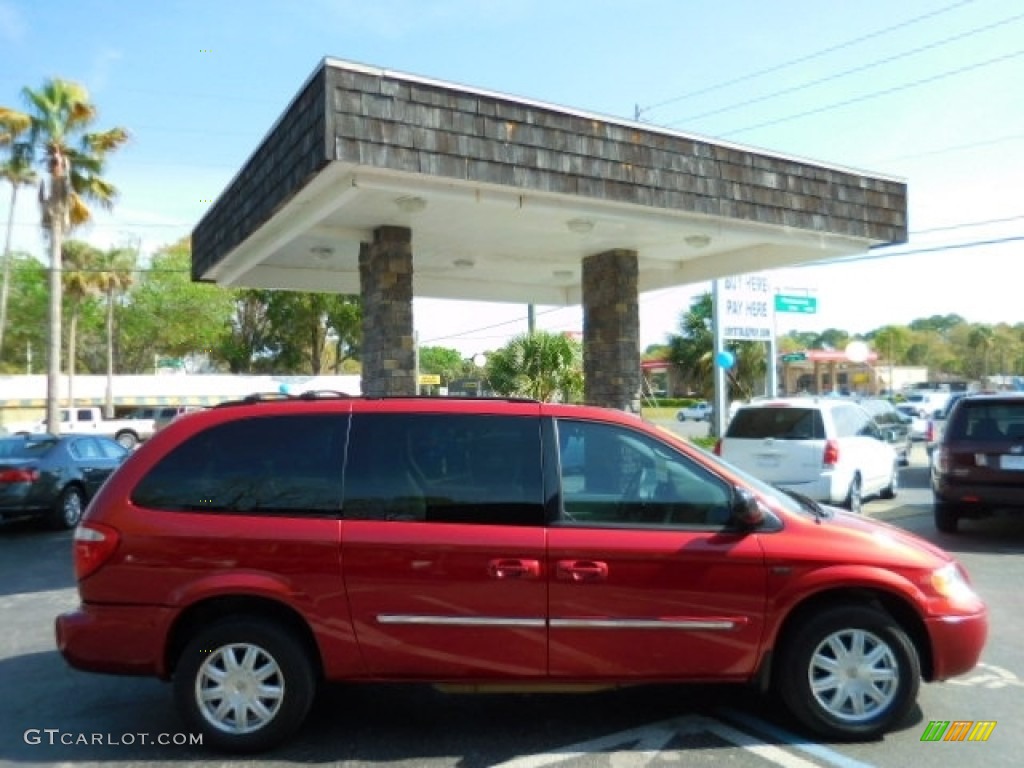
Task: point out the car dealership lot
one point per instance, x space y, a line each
52 714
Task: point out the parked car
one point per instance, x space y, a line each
937 423
498 542
978 465
894 426
167 415
699 411
918 425
52 478
828 449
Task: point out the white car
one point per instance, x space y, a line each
827 449
699 411
918 425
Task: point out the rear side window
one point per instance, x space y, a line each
988 421
274 465
851 421
784 423
445 468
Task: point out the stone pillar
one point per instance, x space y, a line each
385 277
611 331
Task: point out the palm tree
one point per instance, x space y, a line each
79 282
58 138
17 170
115 275
539 365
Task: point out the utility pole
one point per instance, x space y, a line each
531 319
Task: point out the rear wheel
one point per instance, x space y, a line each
890 491
245 683
947 520
127 439
849 672
854 502
67 509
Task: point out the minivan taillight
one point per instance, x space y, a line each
94 544
831 457
929 434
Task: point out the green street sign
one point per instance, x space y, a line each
794 357
807 305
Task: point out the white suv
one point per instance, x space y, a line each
827 449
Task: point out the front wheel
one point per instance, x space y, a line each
854 501
849 673
246 684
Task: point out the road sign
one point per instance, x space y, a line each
429 379
745 310
807 305
794 357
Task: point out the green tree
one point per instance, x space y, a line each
167 314
248 333
692 351
16 169
59 138
540 365
78 284
26 336
345 320
115 274
444 362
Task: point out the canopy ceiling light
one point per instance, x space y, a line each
411 204
580 226
697 241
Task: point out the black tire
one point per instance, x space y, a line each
908 449
68 508
890 491
854 501
276 657
680 417
879 671
127 439
946 518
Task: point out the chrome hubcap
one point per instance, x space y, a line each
853 675
240 688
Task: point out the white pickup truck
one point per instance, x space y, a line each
89 420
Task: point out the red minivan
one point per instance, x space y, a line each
252 550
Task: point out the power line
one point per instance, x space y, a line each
806 58
882 92
851 71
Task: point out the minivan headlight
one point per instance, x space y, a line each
950 582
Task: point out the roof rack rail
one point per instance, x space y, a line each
277 397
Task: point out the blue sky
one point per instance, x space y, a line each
930 91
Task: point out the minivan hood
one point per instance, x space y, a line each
860 539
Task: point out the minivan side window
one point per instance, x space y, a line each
612 475
444 468
273 465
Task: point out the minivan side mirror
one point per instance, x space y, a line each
746 511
